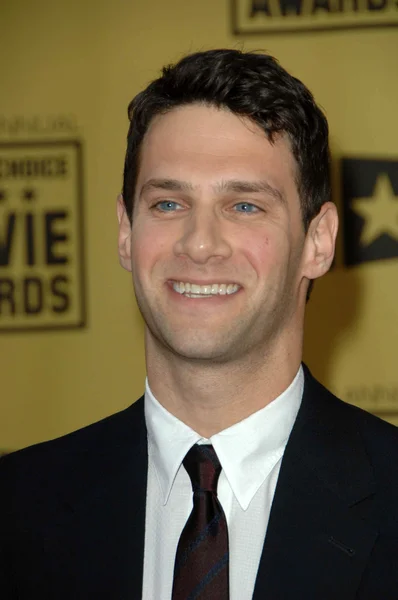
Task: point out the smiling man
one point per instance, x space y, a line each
221 261
237 475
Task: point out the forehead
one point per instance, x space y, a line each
205 143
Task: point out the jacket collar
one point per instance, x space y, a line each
318 539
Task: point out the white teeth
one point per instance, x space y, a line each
202 291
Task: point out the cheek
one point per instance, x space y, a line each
263 252
141 248
150 247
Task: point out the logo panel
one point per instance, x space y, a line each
41 236
281 16
370 210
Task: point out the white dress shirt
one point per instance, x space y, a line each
250 453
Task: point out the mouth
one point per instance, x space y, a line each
208 290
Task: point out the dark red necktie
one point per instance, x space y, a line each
201 569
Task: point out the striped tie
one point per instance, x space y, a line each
201 569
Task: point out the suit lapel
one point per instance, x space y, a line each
318 540
97 548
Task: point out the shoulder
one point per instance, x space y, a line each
344 422
63 456
367 421
336 408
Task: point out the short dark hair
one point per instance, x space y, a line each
249 84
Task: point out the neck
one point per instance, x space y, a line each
211 397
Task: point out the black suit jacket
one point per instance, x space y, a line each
73 510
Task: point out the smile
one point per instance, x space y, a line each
192 290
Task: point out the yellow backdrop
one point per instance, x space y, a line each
70 335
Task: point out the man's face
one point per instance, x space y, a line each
217 237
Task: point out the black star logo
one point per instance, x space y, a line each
3 195
380 211
28 195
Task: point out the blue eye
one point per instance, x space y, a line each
167 206
245 207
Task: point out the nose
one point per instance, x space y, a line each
202 238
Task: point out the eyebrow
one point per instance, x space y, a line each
171 185
251 187
233 185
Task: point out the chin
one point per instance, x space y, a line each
201 352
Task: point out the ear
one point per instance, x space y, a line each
124 242
321 242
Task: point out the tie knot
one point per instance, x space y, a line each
203 467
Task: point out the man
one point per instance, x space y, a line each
225 221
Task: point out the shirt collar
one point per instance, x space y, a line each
248 450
